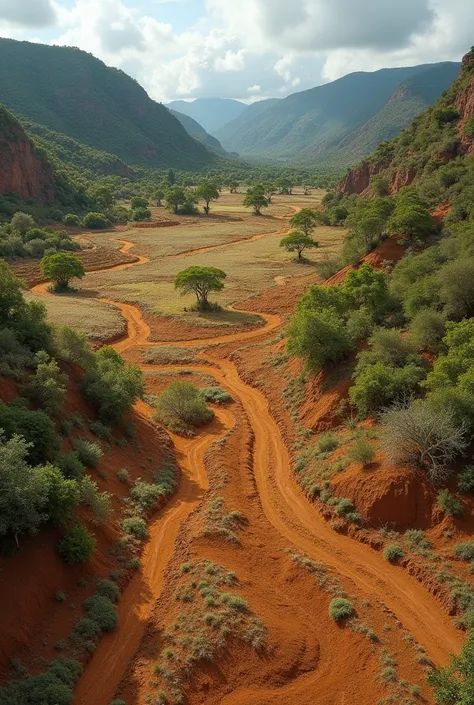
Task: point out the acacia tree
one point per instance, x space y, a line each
200 281
305 220
298 242
175 196
256 199
233 185
424 437
61 268
207 192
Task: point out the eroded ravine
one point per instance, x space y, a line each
283 504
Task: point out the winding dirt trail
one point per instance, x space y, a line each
283 504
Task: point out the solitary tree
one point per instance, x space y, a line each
200 281
298 242
305 220
257 200
285 185
138 202
233 185
61 268
207 192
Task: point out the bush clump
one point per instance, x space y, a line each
102 611
340 608
393 553
89 453
77 545
215 395
466 479
464 551
52 687
181 405
136 526
145 495
362 452
108 589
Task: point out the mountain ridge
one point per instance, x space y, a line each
211 113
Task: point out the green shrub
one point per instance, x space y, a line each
454 684
52 687
85 630
379 384
340 608
118 702
89 452
234 602
327 442
112 385
427 329
449 504
362 452
123 475
77 545
215 395
108 589
100 430
95 221
71 219
70 465
466 479
393 553
141 214
135 526
100 503
102 611
36 428
344 507
182 403
145 495
318 337
464 551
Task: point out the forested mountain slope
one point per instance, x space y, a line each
73 93
339 123
197 131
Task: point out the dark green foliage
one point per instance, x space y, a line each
454 684
449 504
77 545
102 611
35 426
112 385
70 465
47 386
466 479
318 337
340 608
145 495
52 687
85 630
182 403
362 452
88 452
141 214
135 526
71 219
298 242
464 551
427 329
378 385
200 281
95 221
131 126
108 589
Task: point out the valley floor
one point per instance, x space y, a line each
289 561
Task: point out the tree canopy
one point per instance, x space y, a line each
207 192
61 268
305 220
298 242
200 281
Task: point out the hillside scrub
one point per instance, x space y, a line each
454 684
181 405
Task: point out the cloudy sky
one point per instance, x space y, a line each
246 49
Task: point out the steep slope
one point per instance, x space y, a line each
197 131
211 113
77 154
327 123
432 151
24 170
230 130
71 92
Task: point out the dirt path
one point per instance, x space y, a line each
284 506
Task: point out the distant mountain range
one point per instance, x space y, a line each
337 124
197 131
72 93
211 113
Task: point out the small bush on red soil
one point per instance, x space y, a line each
393 553
89 453
340 609
362 452
53 687
77 545
108 589
181 405
135 526
102 611
449 504
464 551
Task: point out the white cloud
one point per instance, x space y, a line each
274 46
28 13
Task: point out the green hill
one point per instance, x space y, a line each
227 131
73 93
337 124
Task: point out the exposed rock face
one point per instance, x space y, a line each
358 180
23 171
465 105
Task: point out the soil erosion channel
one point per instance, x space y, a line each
282 502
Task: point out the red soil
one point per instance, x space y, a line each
309 659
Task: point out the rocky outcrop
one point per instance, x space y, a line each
464 104
358 180
23 170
